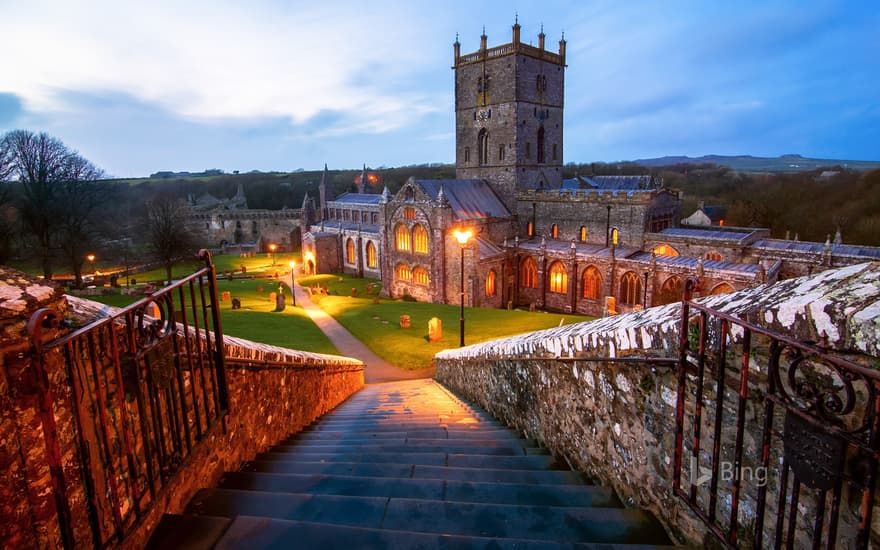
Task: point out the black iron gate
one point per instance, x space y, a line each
141 389
776 440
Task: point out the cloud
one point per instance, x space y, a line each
217 61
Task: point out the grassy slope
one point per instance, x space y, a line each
378 325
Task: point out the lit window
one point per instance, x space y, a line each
615 235
420 276
403 272
554 231
420 239
409 213
529 273
490 283
558 278
723 288
531 230
665 250
371 254
349 251
401 237
583 233
592 283
714 256
630 288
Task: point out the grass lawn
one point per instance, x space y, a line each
378 325
260 264
291 328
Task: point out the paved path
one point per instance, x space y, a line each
376 369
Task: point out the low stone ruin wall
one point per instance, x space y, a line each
615 420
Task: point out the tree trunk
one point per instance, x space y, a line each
168 271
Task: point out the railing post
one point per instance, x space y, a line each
684 343
219 365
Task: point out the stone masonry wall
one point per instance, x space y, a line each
266 404
614 420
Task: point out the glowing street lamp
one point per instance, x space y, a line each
462 236
292 280
272 248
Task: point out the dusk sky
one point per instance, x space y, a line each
138 87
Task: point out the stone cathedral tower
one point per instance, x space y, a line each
508 115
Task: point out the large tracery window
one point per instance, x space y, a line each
349 251
371 254
671 291
490 283
402 238
558 278
420 239
420 276
591 283
630 288
665 250
403 272
529 274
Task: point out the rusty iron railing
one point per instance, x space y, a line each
776 441
142 388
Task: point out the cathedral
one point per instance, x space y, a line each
590 245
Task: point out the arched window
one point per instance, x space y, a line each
531 230
723 288
420 276
665 250
583 233
615 236
409 213
714 256
490 283
670 292
420 239
349 251
529 274
540 145
371 254
558 278
402 238
467 154
591 282
403 272
630 289
483 142
501 152
554 231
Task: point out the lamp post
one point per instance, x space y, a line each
272 248
462 236
292 280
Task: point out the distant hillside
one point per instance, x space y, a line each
748 163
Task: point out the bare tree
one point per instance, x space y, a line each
166 228
80 196
39 161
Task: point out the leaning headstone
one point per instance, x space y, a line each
404 321
510 305
354 292
532 307
435 329
236 303
226 296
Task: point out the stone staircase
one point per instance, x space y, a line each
407 465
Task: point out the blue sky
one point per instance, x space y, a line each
139 87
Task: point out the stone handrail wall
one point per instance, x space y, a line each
615 420
273 392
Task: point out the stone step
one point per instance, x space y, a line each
385 424
560 524
525 462
413 442
400 432
510 450
262 533
433 489
186 531
417 471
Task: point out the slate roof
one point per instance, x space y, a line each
867 252
619 183
469 199
358 198
691 263
333 227
712 234
488 249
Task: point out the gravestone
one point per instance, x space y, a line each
236 303
404 321
272 296
354 292
435 329
226 296
280 303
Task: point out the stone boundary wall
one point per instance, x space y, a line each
266 404
615 421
